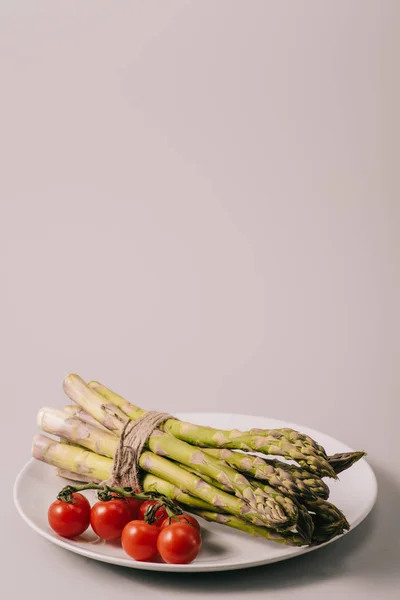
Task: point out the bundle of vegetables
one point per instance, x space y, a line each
210 472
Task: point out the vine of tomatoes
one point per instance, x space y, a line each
148 524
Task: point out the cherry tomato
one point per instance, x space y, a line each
179 543
183 518
139 540
70 519
109 518
161 513
133 503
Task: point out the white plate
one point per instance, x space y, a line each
223 548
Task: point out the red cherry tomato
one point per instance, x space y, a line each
183 518
133 503
139 540
109 518
70 519
160 515
179 543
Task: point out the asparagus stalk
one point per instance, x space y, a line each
344 460
260 468
71 458
293 507
72 429
326 512
274 443
151 483
76 411
310 480
296 438
286 538
65 474
323 532
206 478
305 523
288 478
106 413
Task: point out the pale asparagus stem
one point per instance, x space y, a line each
286 538
57 422
260 468
76 411
65 474
99 467
71 458
106 413
275 443
65 441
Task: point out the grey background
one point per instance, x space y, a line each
200 207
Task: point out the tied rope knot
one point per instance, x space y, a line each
125 470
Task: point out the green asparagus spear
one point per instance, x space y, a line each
299 474
151 483
71 458
286 538
269 471
344 460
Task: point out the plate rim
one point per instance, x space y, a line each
195 567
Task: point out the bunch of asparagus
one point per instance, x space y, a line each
210 472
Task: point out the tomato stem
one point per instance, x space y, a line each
105 492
